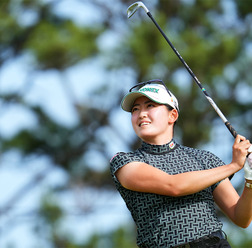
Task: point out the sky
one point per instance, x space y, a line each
52 97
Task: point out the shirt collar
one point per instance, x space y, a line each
159 149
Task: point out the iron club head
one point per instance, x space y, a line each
134 7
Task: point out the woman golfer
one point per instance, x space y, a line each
170 189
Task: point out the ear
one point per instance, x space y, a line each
173 116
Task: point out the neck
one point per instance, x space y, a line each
158 140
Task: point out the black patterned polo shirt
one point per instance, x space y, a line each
165 221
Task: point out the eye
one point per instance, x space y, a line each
134 109
150 105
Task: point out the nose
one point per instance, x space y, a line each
142 114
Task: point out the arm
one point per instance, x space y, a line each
238 209
142 177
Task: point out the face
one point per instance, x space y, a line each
152 122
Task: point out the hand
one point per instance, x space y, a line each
240 150
248 167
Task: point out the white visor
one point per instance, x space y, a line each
155 92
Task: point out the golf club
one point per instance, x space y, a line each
130 12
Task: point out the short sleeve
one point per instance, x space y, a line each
119 160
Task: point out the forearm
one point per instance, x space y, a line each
138 176
195 181
202 179
243 209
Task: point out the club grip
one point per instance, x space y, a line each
231 129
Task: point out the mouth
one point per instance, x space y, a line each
144 123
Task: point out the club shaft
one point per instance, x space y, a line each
218 111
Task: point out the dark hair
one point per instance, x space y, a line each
169 107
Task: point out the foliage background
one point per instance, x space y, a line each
64 67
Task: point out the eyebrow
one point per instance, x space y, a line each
139 104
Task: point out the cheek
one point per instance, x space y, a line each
133 119
161 115
158 113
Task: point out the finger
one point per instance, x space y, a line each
245 144
239 138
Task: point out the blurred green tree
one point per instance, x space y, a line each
214 42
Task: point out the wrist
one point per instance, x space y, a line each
235 166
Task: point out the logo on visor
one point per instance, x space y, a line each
154 90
